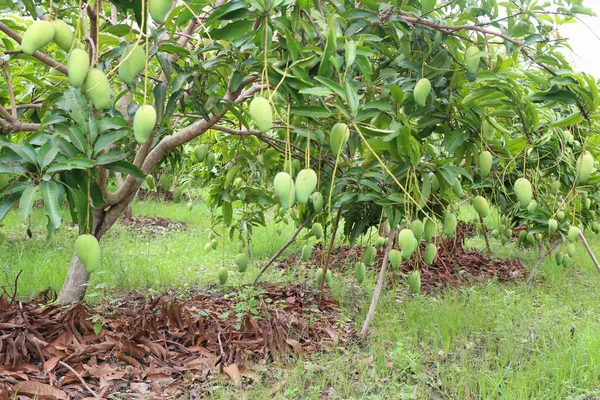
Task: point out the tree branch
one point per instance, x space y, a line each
11 92
168 143
40 56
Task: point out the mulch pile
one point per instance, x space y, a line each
153 225
161 347
454 265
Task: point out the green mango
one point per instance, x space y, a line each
486 161
39 34
430 253
369 255
165 182
584 167
87 250
306 252
242 262
132 62
480 205
222 275
317 201
63 35
421 92
177 195
262 114
97 88
144 122
200 152
472 57
78 66
395 258
317 230
450 223
306 182
338 137
283 186
408 243
159 9
418 229
429 229
360 271
414 282
523 191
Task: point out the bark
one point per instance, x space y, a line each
75 283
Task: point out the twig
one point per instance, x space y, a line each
14 296
484 231
334 229
11 92
540 260
79 377
379 286
589 250
285 246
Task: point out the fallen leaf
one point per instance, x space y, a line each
39 391
51 363
234 373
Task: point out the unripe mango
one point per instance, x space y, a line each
150 182
369 255
560 216
38 35
585 164
317 230
530 239
190 205
319 277
238 183
522 236
177 195
306 252
159 9
97 88
429 229
133 61
450 225
430 253
200 152
63 35
208 247
422 90
87 250
485 163
144 122
242 262
559 258
222 275
414 282
165 182
489 132
457 188
211 160
532 207
555 186
567 260
495 233
380 242
78 66
360 271
306 182
552 225
261 113
338 137
408 243
227 210
480 205
395 258
417 228
214 243
317 201
283 185
571 249
573 233
523 191
472 59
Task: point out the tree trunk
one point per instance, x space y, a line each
75 283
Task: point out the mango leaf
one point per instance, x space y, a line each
75 105
49 191
311 111
160 94
125 167
233 30
26 202
107 139
74 163
110 157
6 204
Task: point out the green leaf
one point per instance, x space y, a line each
46 154
6 204
352 96
118 29
311 111
164 64
75 105
107 139
49 191
30 7
316 91
160 94
125 167
110 157
74 163
330 46
232 31
26 202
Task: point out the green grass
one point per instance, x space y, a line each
488 341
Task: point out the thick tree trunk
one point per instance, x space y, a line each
75 283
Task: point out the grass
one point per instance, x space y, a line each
488 341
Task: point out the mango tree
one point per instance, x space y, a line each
395 111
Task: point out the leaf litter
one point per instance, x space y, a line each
160 347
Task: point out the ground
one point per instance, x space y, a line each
485 340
